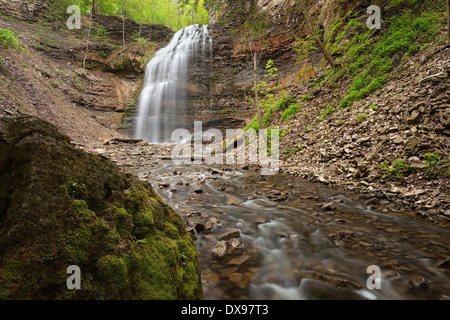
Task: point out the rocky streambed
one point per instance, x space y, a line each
278 237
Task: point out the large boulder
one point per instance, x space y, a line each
61 206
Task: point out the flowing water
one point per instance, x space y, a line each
292 248
162 104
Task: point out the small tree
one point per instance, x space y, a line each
124 13
95 10
315 36
88 38
255 33
140 21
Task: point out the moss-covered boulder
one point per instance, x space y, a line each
60 206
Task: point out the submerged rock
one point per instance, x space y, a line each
60 206
233 201
229 234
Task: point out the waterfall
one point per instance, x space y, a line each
162 103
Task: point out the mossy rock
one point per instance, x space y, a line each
61 206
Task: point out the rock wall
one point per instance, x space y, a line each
152 32
223 89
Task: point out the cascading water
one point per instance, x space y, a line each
162 104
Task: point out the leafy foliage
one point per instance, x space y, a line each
175 14
371 59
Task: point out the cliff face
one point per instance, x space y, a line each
24 10
223 89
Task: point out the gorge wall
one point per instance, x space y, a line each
221 92
24 10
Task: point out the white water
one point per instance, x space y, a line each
162 103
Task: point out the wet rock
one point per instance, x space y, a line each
193 213
331 206
192 233
364 244
198 191
211 278
220 249
164 185
239 279
230 234
136 151
444 263
419 283
233 201
208 225
259 220
226 272
276 195
197 223
389 273
239 260
215 171
214 220
331 280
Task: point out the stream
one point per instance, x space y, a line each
276 237
287 239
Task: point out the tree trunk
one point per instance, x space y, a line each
87 44
95 10
255 84
448 19
319 43
123 23
140 23
123 31
379 3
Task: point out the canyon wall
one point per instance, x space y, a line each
24 10
223 89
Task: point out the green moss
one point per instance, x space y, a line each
77 244
113 272
84 214
9 276
171 231
5 195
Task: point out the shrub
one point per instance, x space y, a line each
8 39
326 112
361 117
290 113
434 165
370 61
397 169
